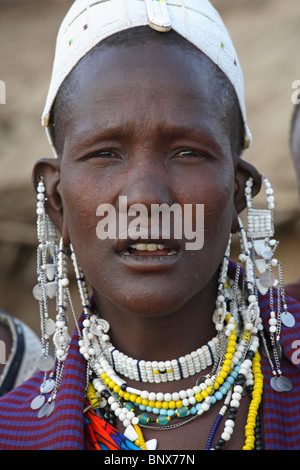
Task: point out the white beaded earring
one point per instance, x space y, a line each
52 284
263 246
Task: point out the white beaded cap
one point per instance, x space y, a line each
90 21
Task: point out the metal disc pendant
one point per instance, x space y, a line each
288 319
47 386
281 384
284 384
274 385
49 327
45 363
267 279
37 292
46 410
37 402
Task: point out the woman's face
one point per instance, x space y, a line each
146 123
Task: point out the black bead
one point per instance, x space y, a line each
221 442
124 387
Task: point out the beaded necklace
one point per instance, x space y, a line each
235 365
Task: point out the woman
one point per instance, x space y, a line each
143 114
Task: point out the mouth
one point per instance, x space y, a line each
148 255
149 249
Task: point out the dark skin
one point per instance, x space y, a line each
156 138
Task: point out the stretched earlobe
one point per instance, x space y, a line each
49 169
243 171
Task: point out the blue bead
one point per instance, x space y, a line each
156 411
143 418
162 420
218 395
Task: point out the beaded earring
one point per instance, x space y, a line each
52 284
261 242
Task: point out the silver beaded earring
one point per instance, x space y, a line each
261 243
52 284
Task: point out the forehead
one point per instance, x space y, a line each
120 81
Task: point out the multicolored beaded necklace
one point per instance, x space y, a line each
235 368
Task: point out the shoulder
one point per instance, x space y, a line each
293 290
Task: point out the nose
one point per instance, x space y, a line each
147 184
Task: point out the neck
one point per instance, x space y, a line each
166 336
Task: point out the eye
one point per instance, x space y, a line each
104 154
188 153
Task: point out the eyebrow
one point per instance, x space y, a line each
93 137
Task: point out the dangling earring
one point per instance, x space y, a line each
260 233
52 284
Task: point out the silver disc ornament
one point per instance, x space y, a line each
47 386
37 402
288 319
45 363
46 409
281 384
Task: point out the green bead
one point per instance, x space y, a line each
143 418
162 420
182 412
129 406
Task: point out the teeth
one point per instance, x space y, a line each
148 246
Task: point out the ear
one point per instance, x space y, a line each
49 169
243 171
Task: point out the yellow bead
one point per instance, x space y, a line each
179 404
127 396
158 404
137 443
165 405
138 400
220 380
111 384
152 403
172 404
133 397
145 401
117 388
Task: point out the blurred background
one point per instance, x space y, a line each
266 36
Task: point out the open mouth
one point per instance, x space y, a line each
149 249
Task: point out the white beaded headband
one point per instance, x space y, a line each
90 21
